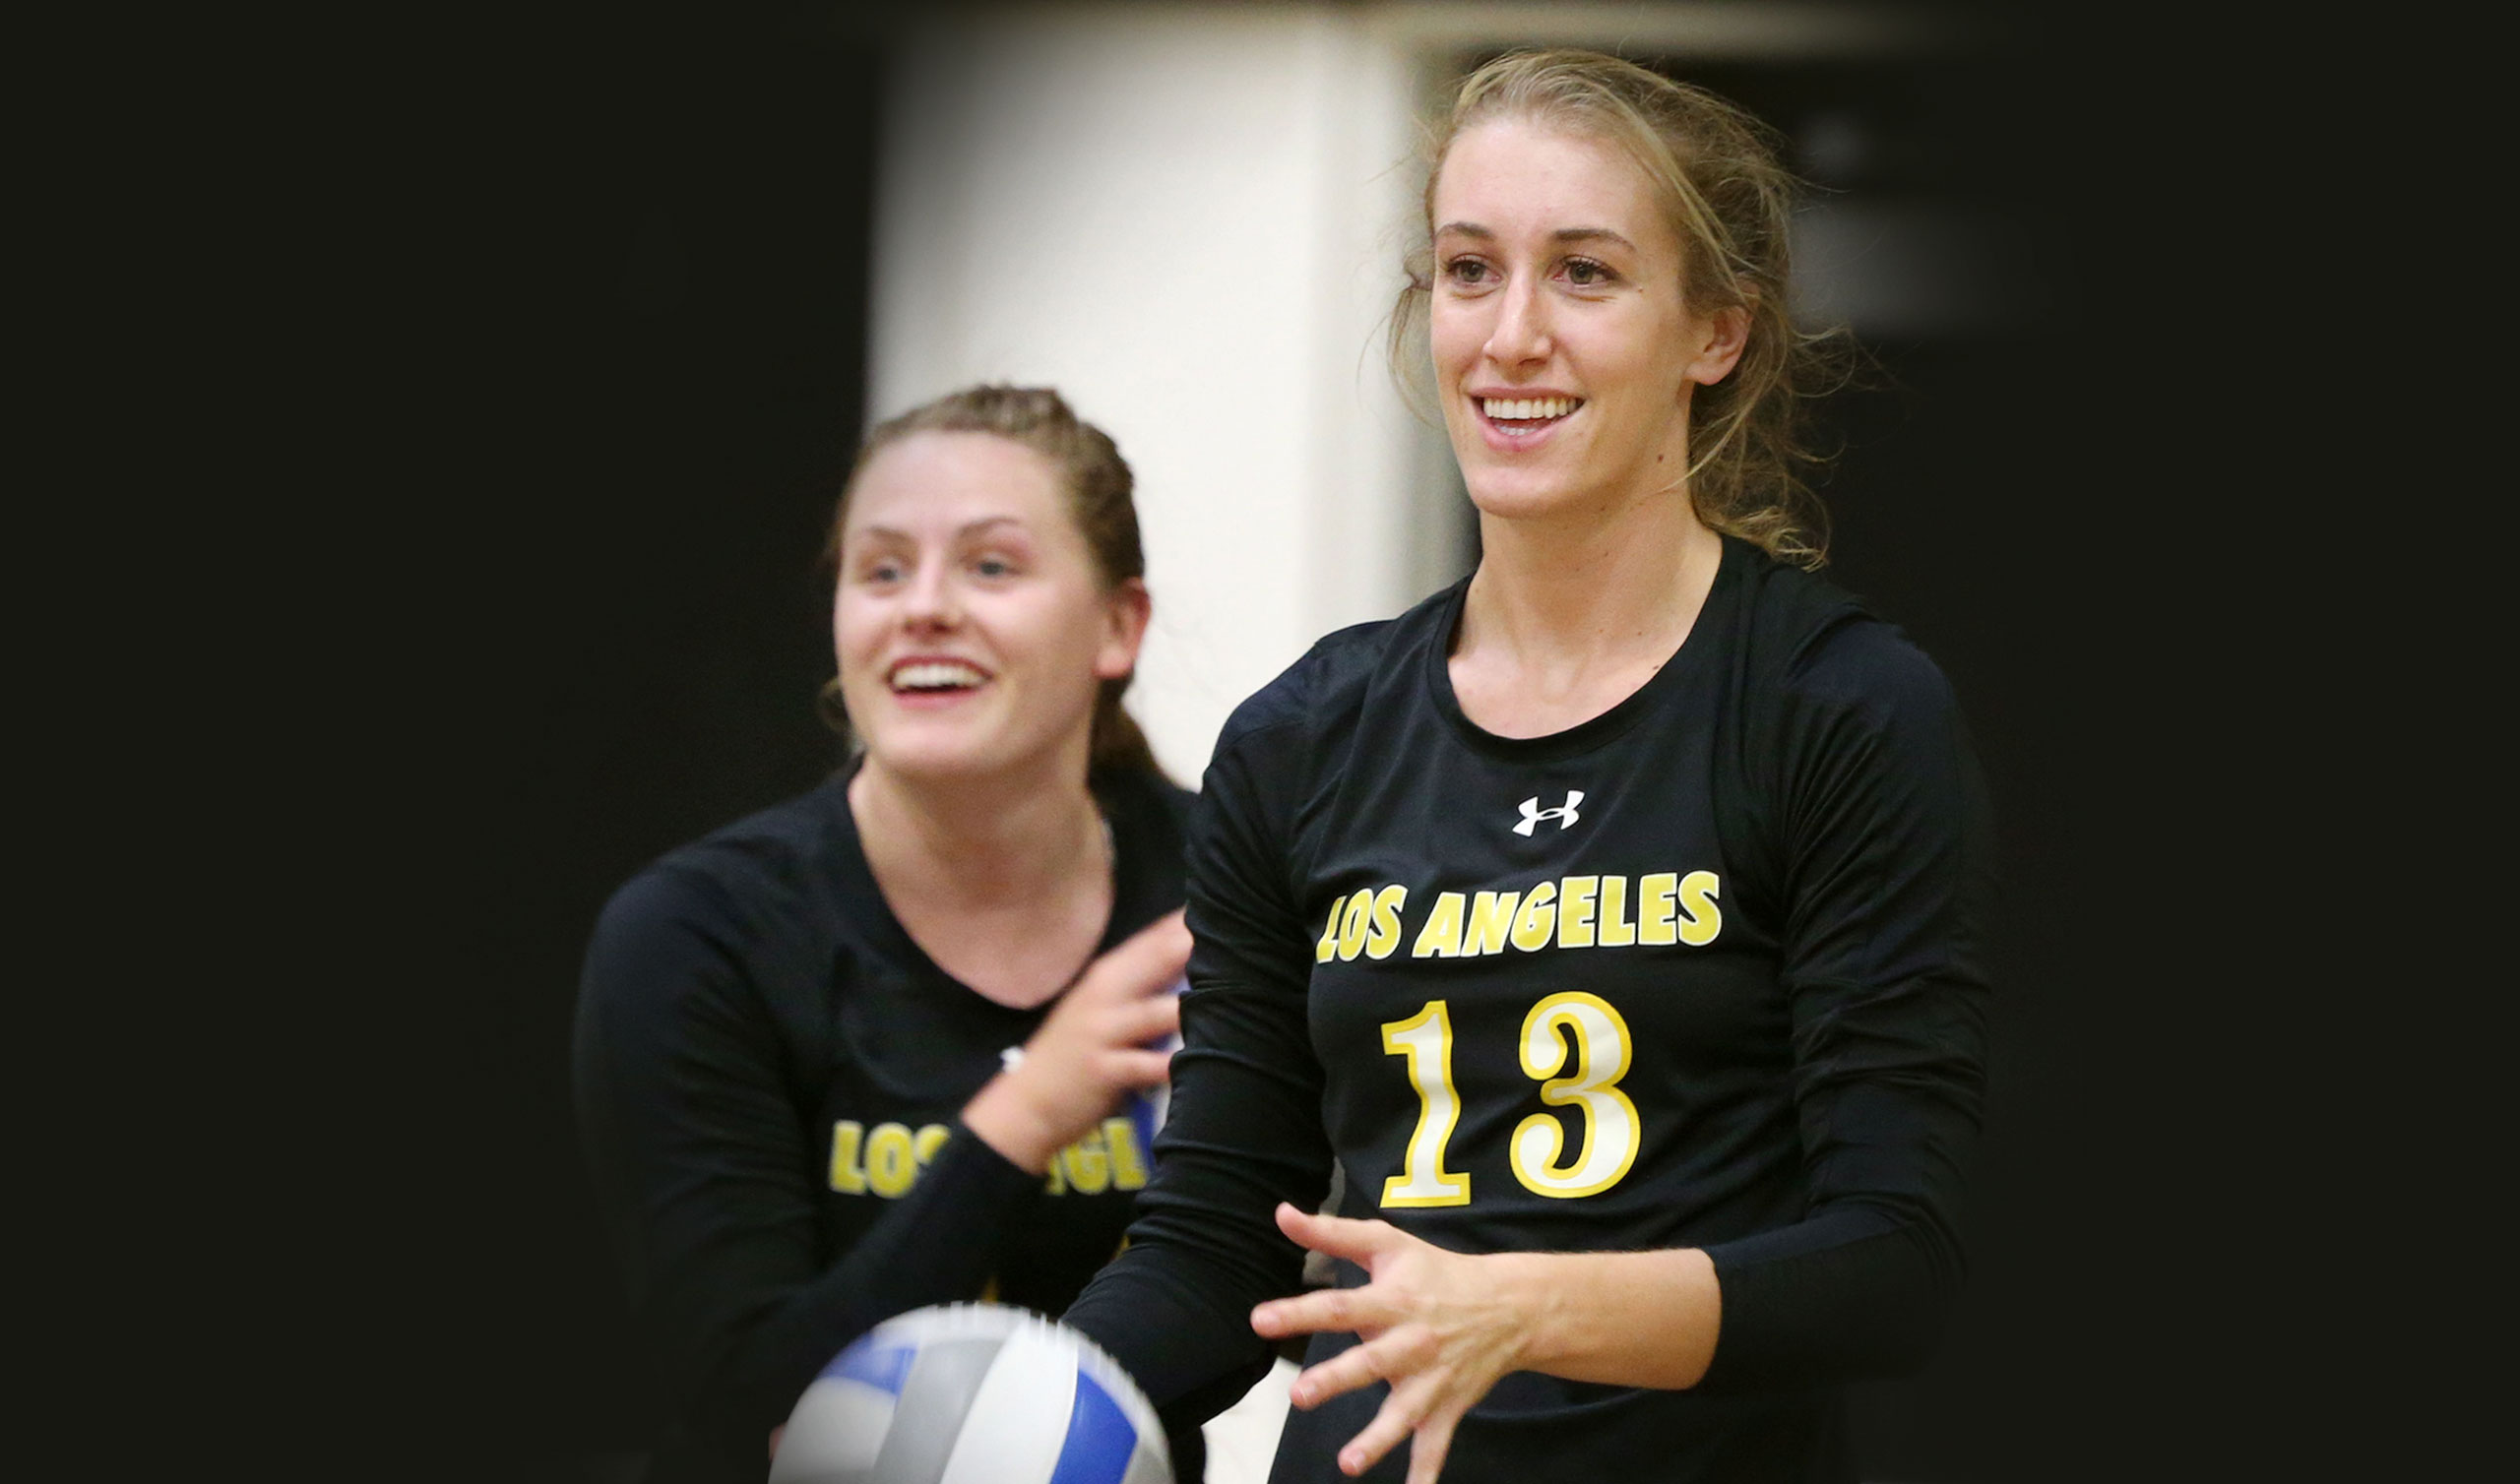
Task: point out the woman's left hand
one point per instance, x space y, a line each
1441 1326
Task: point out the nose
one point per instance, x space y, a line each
1521 333
929 601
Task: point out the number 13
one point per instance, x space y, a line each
1611 1129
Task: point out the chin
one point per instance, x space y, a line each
918 759
940 754
917 750
1523 493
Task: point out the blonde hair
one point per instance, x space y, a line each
1098 488
1729 201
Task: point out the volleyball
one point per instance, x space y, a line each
972 1393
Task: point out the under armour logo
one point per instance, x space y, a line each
1564 814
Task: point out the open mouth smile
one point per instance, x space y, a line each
1521 421
935 678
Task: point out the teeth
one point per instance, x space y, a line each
934 676
1526 409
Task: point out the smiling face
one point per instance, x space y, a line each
1563 352
973 626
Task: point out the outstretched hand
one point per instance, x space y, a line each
1438 1326
1095 1045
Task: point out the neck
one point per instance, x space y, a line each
975 842
1592 584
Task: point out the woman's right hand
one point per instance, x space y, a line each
1094 1047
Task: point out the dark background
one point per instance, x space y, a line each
612 305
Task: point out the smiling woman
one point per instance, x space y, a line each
885 1045
1028 510
1562 343
1698 184
1613 920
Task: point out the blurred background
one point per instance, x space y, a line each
690 252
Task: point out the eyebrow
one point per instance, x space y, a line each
969 528
1562 234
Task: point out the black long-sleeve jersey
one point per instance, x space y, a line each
769 1074
1705 970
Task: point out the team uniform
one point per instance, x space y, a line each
770 1077
1705 970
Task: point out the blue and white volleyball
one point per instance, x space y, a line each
972 1393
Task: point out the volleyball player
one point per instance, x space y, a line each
873 1048
1614 919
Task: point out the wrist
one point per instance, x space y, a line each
1617 1318
1536 1307
1002 1117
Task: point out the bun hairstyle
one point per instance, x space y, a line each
1716 170
1098 488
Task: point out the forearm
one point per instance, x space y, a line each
1850 1296
1244 1133
1179 1327
753 1337
1853 1293
1638 1319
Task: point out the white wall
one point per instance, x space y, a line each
1182 218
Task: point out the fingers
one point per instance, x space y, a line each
1435 1439
1423 1402
1141 1068
1402 1413
1115 1014
1147 964
1351 1308
1391 1356
1348 1309
1098 1041
1339 1236
1151 1019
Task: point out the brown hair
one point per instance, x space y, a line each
1098 485
1729 201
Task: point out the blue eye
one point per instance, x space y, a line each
1584 273
989 565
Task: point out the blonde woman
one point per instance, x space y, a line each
1612 919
